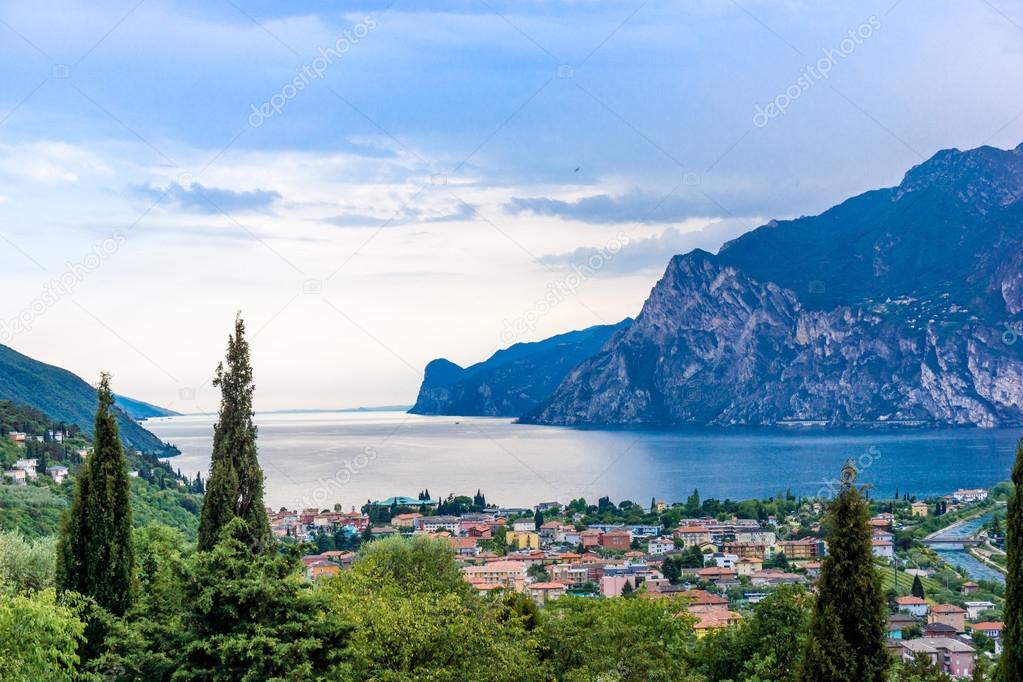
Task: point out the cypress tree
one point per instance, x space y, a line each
234 487
94 550
918 588
847 632
1010 667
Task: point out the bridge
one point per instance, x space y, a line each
955 537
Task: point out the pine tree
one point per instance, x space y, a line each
847 632
918 588
538 519
234 488
94 551
1010 667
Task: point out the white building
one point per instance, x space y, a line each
722 560
975 608
57 473
28 466
970 495
16 476
661 546
524 526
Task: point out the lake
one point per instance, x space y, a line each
322 458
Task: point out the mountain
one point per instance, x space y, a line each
64 396
512 381
900 305
140 410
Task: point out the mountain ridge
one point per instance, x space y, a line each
883 309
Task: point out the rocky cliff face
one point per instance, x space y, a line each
896 306
513 380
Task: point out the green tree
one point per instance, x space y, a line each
538 519
765 646
253 618
94 554
234 488
626 640
25 565
39 639
918 588
847 631
1010 667
415 618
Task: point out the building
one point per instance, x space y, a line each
545 592
883 548
692 536
17 437
953 656
432 524
992 629
323 568
919 508
914 606
523 525
616 539
936 630
464 546
949 614
522 540
661 545
16 476
568 535
507 574
712 619
969 587
722 560
898 623
57 473
970 495
590 538
975 608
807 548
748 550
406 520
660 507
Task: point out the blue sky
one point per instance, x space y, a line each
381 183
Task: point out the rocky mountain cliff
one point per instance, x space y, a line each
900 305
512 381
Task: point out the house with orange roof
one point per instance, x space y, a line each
509 574
545 592
914 606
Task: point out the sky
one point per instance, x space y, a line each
377 184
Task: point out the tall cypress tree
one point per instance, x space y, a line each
847 632
918 588
94 551
234 488
1010 667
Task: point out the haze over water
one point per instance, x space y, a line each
304 456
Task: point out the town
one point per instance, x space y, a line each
721 565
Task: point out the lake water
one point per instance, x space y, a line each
319 459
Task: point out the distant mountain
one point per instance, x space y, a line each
64 396
899 305
140 410
512 381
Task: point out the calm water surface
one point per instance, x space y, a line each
318 459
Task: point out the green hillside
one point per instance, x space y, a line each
65 397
